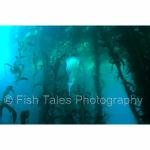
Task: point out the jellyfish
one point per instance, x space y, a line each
72 68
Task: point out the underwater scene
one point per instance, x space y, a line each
74 74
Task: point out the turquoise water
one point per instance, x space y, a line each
58 62
113 88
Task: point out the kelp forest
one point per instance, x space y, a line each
74 74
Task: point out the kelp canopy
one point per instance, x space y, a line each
49 64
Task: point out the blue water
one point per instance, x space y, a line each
111 85
113 88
